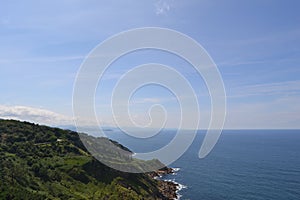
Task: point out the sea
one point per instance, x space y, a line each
244 164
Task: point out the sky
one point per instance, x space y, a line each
254 43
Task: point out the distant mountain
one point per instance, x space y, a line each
40 162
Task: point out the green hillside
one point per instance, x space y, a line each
40 162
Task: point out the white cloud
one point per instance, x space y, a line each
241 62
162 7
36 115
276 106
151 100
279 88
42 59
282 113
45 117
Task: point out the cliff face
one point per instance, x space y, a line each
40 162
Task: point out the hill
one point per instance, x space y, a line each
40 162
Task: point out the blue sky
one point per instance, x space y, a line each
255 44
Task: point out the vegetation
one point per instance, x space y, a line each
40 162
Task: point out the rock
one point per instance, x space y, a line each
167 188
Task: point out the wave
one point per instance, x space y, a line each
175 170
179 187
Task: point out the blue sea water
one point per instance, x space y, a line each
245 164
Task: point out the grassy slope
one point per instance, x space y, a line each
34 164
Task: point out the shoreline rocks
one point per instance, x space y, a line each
168 189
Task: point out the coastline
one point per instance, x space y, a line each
168 188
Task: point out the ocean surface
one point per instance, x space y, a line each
245 164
